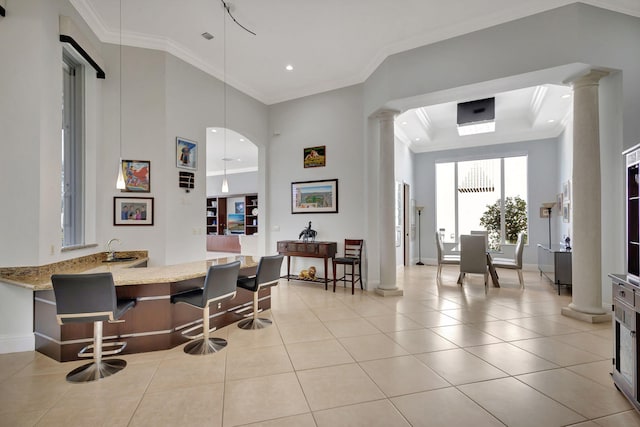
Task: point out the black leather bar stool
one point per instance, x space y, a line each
219 286
82 298
267 274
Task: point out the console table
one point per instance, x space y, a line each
299 248
555 264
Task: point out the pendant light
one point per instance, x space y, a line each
225 182
120 184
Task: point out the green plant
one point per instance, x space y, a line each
515 216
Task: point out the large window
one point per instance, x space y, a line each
487 194
72 188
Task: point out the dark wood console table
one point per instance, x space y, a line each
299 248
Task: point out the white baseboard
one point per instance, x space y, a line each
15 344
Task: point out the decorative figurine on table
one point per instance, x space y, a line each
307 234
567 243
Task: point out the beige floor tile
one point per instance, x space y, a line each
556 351
443 408
464 335
22 419
589 342
335 386
113 411
304 420
430 319
335 313
441 304
39 364
460 367
189 371
469 316
517 404
504 313
404 306
199 405
351 327
584 396
254 362
420 341
316 354
511 359
393 323
505 331
599 372
378 413
263 398
304 331
370 347
294 316
624 419
369 308
32 393
402 375
254 338
543 325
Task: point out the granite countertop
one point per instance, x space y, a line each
124 273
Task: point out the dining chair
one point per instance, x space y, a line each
442 258
514 263
473 257
352 258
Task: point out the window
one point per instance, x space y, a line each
488 194
72 173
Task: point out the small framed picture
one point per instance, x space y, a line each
186 154
239 207
137 175
559 202
566 212
315 156
133 211
314 196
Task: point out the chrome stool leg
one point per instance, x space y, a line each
98 368
254 322
207 344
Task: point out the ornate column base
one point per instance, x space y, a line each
586 317
389 292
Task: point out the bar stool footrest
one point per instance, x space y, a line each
86 351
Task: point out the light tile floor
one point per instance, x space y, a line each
441 355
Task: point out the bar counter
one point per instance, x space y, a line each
153 324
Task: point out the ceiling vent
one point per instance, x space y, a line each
476 117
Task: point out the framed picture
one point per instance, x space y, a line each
559 202
133 211
314 156
235 223
566 212
314 196
566 191
137 175
239 207
186 154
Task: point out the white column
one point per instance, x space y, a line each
585 203
386 226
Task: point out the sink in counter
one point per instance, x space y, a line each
121 259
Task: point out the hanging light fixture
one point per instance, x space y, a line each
225 182
120 184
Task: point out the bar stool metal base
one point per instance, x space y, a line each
254 323
96 370
205 346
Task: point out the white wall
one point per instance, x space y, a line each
404 159
239 183
332 119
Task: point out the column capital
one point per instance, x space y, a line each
386 114
592 78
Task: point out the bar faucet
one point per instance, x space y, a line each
110 252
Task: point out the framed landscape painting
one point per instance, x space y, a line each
314 196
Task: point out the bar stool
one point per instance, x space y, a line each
82 298
267 274
219 286
352 257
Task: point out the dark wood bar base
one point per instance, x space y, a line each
153 324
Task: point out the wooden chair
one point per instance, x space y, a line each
352 257
473 257
514 263
442 258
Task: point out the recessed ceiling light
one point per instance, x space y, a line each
404 123
566 95
417 139
207 35
241 139
213 130
289 67
551 121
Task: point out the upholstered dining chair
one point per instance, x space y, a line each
514 263
442 258
473 257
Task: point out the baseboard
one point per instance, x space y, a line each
15 344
